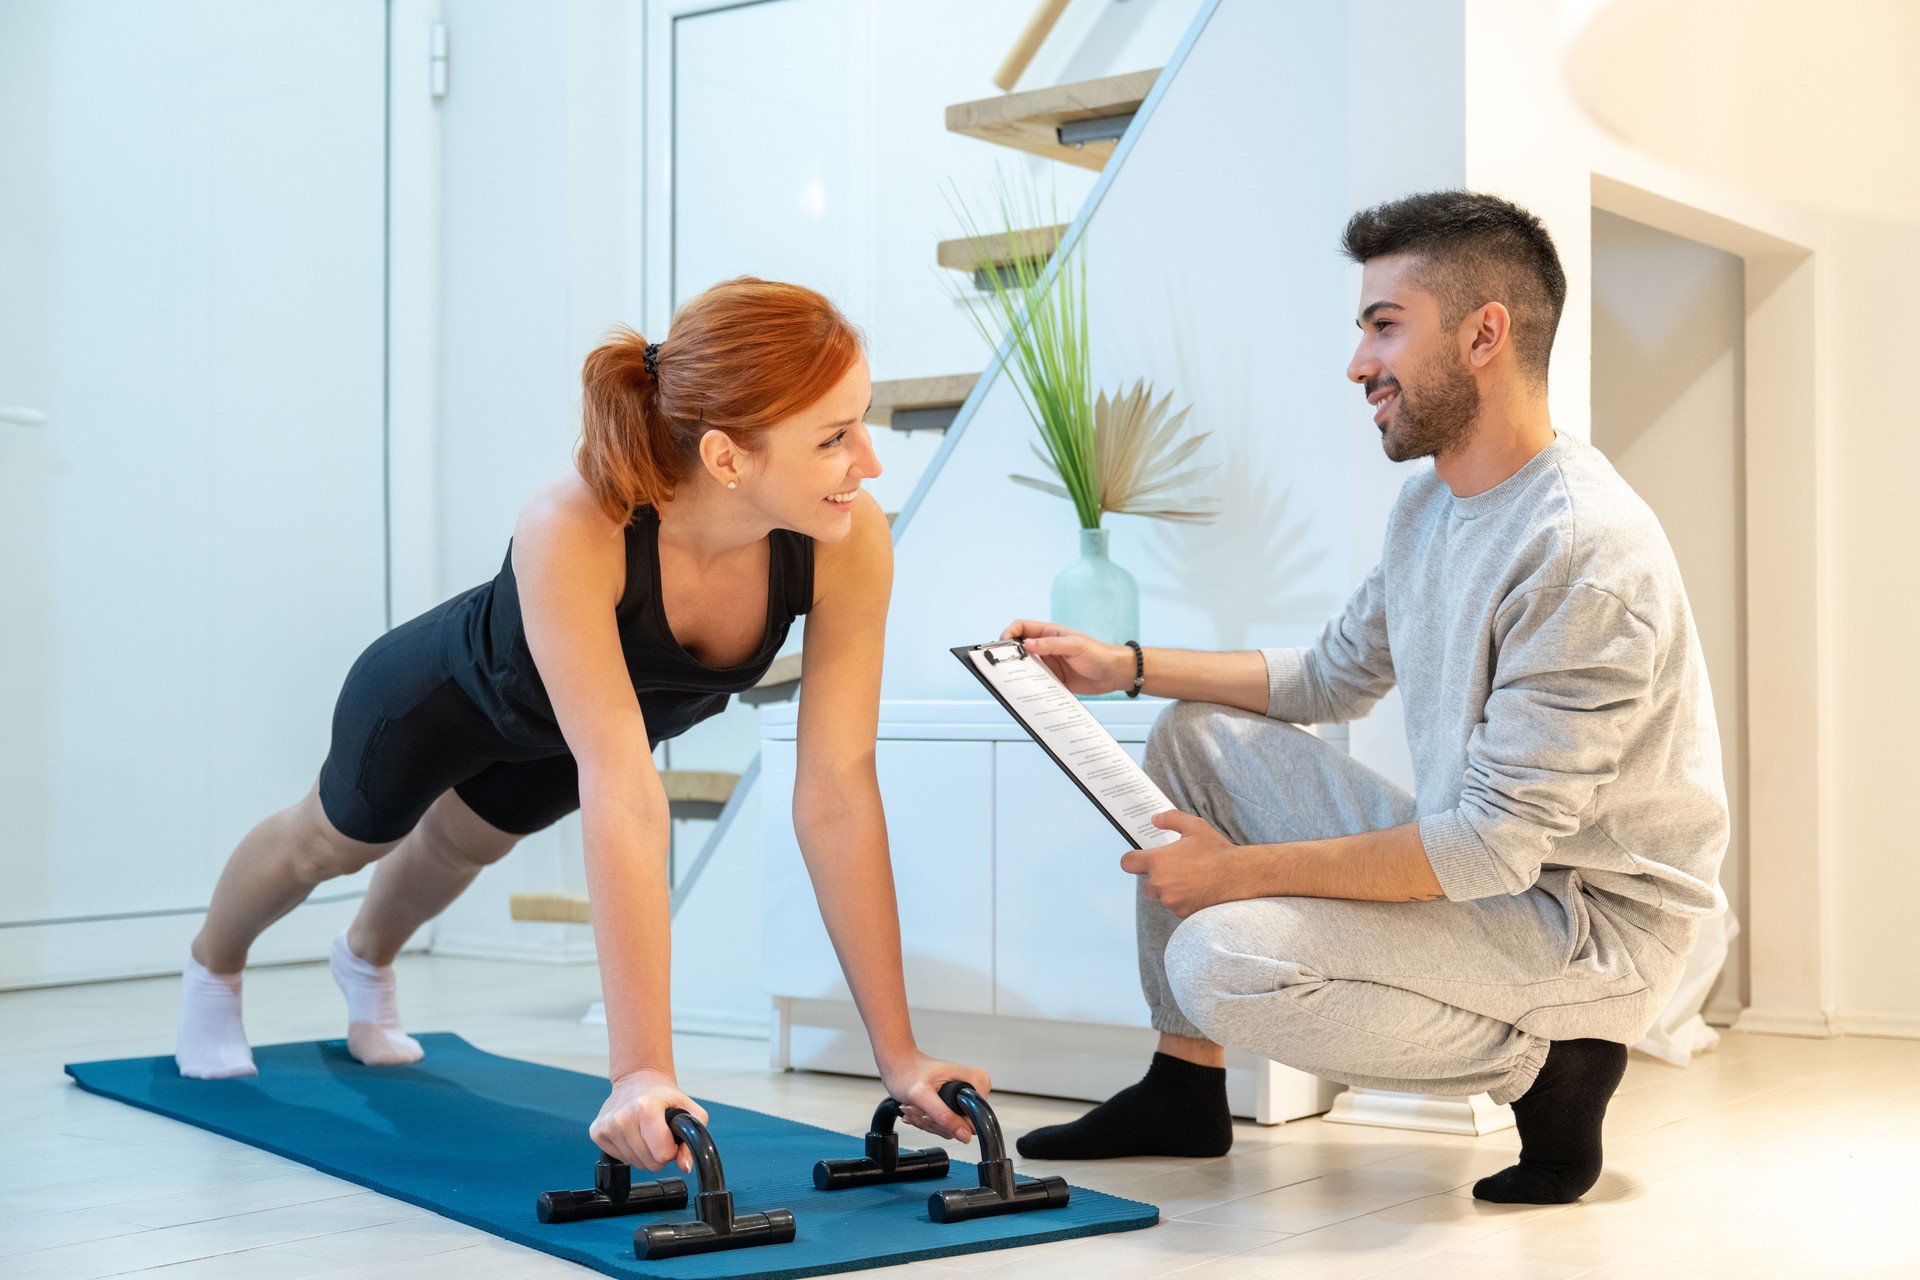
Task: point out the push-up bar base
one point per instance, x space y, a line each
999 1190
884 1160
714 1225
613 1195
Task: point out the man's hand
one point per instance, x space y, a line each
1201 869
1083 664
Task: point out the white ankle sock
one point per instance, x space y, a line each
373 1017
211 1044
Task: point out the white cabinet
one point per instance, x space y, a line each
1062 908
1016 920
942 871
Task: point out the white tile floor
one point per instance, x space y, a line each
1769 1157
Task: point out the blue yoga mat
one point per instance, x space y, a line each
476 1138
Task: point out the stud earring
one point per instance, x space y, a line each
733 484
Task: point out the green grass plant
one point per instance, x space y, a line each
1120 455
1042 315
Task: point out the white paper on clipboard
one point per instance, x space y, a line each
1078 743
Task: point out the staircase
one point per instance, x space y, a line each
1078 124
985 257
920 404
781 682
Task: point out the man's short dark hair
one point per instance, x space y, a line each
1473 249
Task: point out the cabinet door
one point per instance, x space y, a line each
939 803
1063 909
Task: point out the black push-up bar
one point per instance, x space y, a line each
714 1225
999 1190
884 1161
613 1194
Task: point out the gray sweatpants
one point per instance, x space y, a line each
1424 997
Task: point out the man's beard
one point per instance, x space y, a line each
1435 415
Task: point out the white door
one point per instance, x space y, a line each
192 543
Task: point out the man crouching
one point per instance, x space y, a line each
1525 916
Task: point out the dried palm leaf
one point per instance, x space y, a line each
1137 451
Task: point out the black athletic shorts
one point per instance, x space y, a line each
404 732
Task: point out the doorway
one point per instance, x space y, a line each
1669 386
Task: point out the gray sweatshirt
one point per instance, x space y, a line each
1556 697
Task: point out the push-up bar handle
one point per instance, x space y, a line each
714 1225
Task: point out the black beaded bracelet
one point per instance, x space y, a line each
1139 669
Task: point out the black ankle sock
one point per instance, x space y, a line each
1178 1109
1559 1120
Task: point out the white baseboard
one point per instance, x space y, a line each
1895 1026
1427 1112
109 950
730 1023
564 952
1722 1013
1786 1022
1087 1061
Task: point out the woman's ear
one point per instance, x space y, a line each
721 457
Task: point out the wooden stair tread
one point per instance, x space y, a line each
553 908
977 253
700 786
1028 121
918 393
780 684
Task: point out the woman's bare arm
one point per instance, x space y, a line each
569 560
837 813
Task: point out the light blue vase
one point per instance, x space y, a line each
1097 596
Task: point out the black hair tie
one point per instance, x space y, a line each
651 358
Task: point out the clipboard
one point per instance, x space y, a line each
1063 727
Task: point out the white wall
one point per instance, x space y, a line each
540 239
1876 609
1698 84
192 547
1669 377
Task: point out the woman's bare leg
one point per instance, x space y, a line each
412 885
434 865
274 868
271 872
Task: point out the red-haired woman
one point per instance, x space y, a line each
715 497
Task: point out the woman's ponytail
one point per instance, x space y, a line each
627 453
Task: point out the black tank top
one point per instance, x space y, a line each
487 654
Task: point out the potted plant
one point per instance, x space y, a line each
1106 456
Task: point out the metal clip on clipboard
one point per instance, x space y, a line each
1072 738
